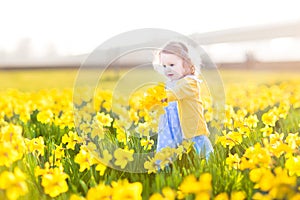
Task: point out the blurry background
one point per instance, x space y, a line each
252 34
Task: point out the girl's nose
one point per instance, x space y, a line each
168 68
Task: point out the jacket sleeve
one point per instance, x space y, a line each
184 88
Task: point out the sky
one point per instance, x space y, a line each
78 27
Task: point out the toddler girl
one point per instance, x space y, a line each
184 117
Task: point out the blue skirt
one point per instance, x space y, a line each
170 133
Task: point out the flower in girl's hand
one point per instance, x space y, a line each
155 96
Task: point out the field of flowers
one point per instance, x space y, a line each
45 155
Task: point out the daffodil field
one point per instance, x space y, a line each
54 146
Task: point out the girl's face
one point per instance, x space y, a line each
173 66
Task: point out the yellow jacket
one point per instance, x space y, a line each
186 92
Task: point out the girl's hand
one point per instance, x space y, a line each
165 100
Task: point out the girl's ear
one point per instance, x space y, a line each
192 69
188 67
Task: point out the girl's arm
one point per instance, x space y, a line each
184 88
